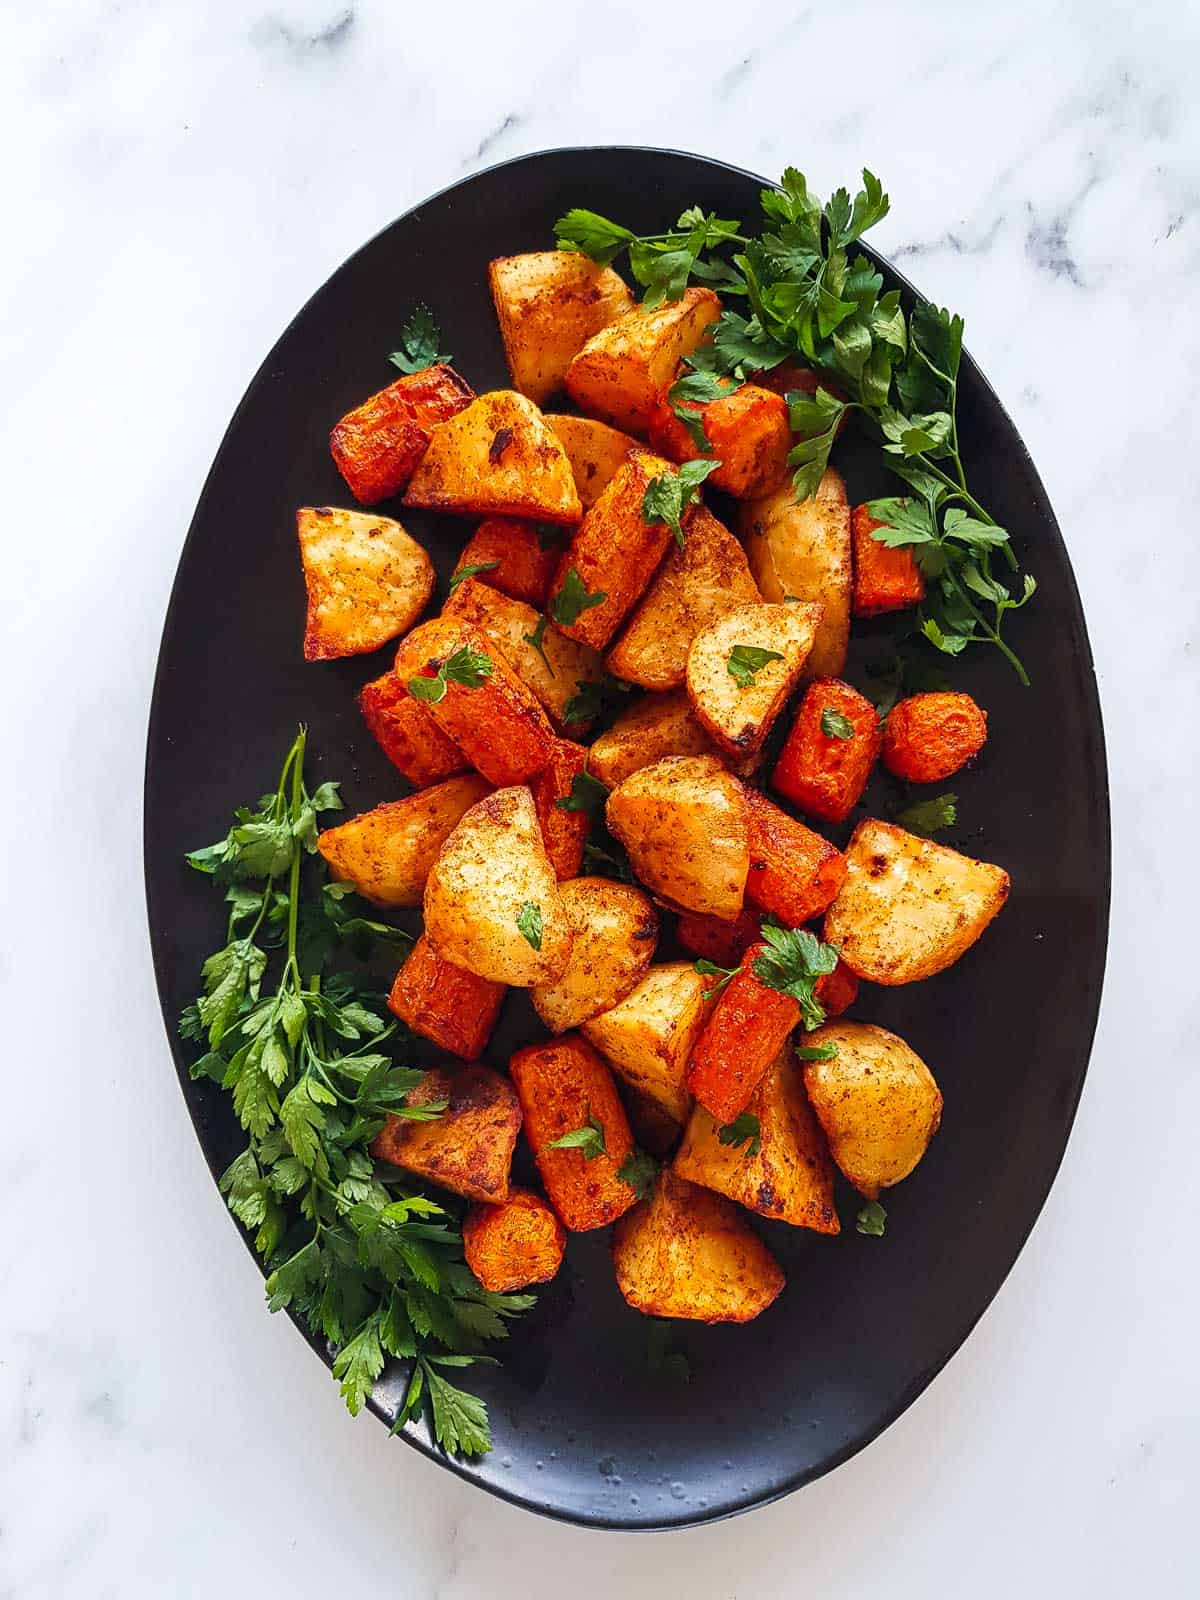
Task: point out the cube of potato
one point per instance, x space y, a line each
745 1033
555 672
794 873
615 936
790 1176
694 587
377 445
749 433
909 907
453 1008
689 1253
564 833
491 900
802 549
594 450
877 1102
650 727
724 943
614 552
404 728
648 1036
563 1086
683 822
837 990
367 580
549 304
520 560
825 773
387 853
620 371
468 1148
498 725
884 580
498 458
736 701
515 1244
929 736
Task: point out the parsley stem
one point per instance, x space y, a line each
297 759
992 633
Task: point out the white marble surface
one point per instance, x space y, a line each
177 179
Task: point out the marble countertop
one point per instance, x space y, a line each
179 178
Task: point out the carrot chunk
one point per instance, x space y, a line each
563 832
929 736
724 943
884 580
741 1039
794 873
747 429
377 445
520 562
819 770
449 1006
514 1244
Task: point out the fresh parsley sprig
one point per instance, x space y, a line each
663 263
746 661
466 667
573 599
668 496
588 1139
792 963
743 1130
927 817
710 969
420 338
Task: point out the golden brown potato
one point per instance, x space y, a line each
620 370
802 550
736 702
651 727
554 672
615 934
491 900
549 303
387 853
468 1148
594 450
790 1176
695 586
683 822
876 1100
687 1252
909 907
648 1037
498 458
514 1244
367 580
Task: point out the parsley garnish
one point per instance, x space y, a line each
419 340
538 640
928 816
466 667
835 726
745 660
686 396
661 262
593 697
668 497
589 1139
639 1171
464 573
529 923
709 969
792 964
742 1130
573 599
871 1219
815 1052
587 794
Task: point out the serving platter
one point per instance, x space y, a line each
585 1426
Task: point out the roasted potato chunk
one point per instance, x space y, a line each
498 458
884 580
695 586
614 553
736 701
468 1148
549 304
378 444
789 1177
802 549
367 580
823 768
564 1086
556 668
615 936
929 736
620 371
794 873
491 900
651 727
594 450
451 1007
877 1102
744 1035
683 822
387 853
749 434
687 1252
404 729
564 833
648 1036
515 1244
498 724
909 907
514 556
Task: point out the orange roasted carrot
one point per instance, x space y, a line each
404 729
724 943
453 1008
519 560
837 990
377 445
929 736
884 580
794 873
563 832
741 1039
514 1244
821 768
747 429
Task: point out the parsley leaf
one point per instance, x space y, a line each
589 1139
815 1052
529 923
466 667
668 496
742 1130
593 235
573 599
926 817
639 1171
871 1219
835 726
593 697
460 1419
419 341
587 794
472 571
687 394
792 964
746 660
538 640
709 969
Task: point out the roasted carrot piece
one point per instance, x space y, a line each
818 771
520 562
741 1039
499 725
378 445
794 873
837 990
563 832
514 1244
564 1085
451 1007
929 736
749 434
884 580
724 943
404 728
